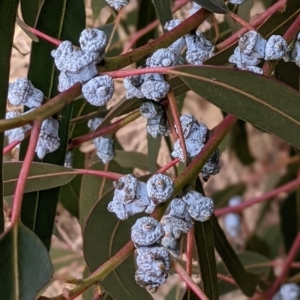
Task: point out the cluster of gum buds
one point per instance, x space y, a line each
79 65
293 54
156 118
195 135
22 92
132 196
153 261
232 221
253 48
288 291
104 145
69 160
117 4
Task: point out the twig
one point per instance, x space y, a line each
168 165
20 187
288 261
13 144
241 21
189 281
234 209
226 278
189 251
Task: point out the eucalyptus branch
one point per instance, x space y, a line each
13 144
47 110
119 62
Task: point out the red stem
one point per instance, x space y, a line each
226 278
189 251
168 165
131 72
288 262
234 209
293 30
13 144
137 35
17 202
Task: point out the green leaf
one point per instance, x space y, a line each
41 176
163 11
254 263
262 101
289 73
204 239
222 197
8 12
97 5
63 20
131 159
215 6
93 187
153 149
245 280
30 10
104 235
25 264
239 143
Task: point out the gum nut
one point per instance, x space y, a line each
175 226
132 85
186 121
254 69
171 244
172 24
93 124
157 130
197 57
232 224
19 91
290 291
155 90
178 208
146 231
241 60
148 280
118 209
212 166
150 109
253 44
276 48
237 1
46 144
125 188
99 90
69 160
202 210
195 7
105 150
197 42
117 4
15 134
192 196
93 40
65 81
162 58
61 55
236 200
159 188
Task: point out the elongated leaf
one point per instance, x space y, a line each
25 264
261 102
8 12
131 159
93 187
41 176
30 10
63 20
246 281
204 239
26 29
216 6
163 10
251 262
153 149
104 235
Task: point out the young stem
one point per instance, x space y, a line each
189 281
288 261
18 197
241 21
119 62
168 166
235 209
189 251
47 110
108 130
13 144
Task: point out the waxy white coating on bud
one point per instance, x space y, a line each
105 149
288 291
65 81
179 44
146 231
276 48
150 109
159 188
253 44
93 40
22 92
69 160
193 147
162 58
153 266
99 90
232 221
194 8
117 4
293 54
133 85
212 166
242 60
237 1
61 55
15 134
254 69
48 141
